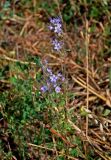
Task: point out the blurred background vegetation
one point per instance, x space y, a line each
38 127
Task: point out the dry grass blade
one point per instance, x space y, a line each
94 92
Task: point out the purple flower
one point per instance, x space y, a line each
56 25
63 79
59 75
44 88
53 78
53 81
55 21
50 27
55 85
49 71
57 45
58 29
57 89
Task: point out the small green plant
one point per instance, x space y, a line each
6 11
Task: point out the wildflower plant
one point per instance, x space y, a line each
53 85
53 82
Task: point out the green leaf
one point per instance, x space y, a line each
6 5
94 12
37 61
13 80
74 152
60 158
106 112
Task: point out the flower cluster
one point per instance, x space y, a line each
57 45
53 81
56 27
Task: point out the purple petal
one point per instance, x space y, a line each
44 88
49 71
57 89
